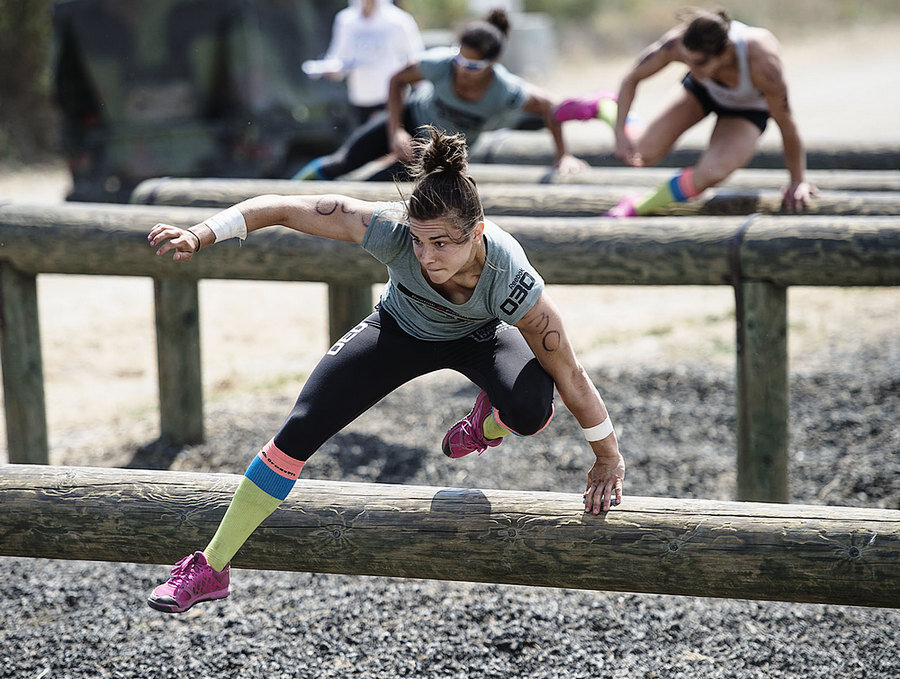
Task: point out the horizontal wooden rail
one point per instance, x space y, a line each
799 250
530 200
743 179
760 256
522 147
799 553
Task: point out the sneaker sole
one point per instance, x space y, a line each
173 608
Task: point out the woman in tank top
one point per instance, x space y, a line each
735 71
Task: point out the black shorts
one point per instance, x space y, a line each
758 118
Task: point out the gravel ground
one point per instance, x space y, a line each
82 619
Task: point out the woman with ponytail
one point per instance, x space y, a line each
462 90
461 294
734 71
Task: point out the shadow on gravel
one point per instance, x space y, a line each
154 455
363 457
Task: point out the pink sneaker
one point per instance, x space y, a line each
625 207
582 108
192 580
467 435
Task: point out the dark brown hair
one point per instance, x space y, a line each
442 188
487 37
706 32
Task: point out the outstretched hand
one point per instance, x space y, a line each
568 164
796 196
169 238
604 486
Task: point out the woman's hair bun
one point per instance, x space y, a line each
500 20
440 152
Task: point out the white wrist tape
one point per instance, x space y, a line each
599 432
228 224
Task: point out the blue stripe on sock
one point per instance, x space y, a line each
674 187
267 480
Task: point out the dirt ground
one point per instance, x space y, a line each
98 338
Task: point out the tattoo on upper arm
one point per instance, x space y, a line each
550 337
328 206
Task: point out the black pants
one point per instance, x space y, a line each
377 356
368 142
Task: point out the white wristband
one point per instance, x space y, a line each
228 224
599 432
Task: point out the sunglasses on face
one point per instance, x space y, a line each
471 64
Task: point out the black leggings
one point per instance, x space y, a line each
367 143
377 356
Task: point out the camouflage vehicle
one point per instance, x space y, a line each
192 88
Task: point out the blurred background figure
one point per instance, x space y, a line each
735 72
371 40
461 90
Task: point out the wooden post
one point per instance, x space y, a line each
348 304
814 554
178 358
23 372
762 392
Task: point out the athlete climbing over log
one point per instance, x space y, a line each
735 71
461 294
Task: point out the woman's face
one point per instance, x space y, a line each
437 247
469 64
702 65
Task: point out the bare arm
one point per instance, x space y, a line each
767 74
543 329
329 216
399 140
539 103
650 61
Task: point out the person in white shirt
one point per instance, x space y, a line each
371 40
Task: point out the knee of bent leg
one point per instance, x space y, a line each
527 410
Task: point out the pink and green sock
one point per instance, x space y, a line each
678 189
266 483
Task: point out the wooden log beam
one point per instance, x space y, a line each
522 147
747 179
529 200
799 553
107 239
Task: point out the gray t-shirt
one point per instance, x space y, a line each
435 103
507 289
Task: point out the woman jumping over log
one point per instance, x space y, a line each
735 71
460 90
461 294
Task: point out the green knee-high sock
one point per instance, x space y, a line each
249 507
656 200
678 189
608 111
